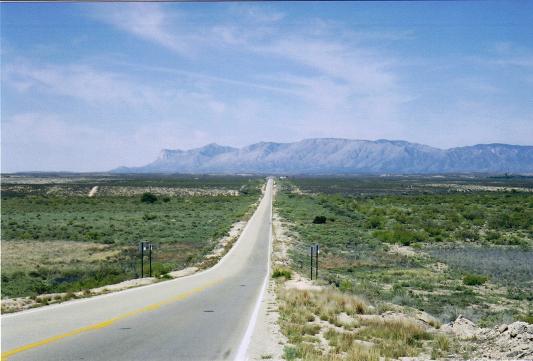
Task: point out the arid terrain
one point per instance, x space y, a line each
68 236
405 270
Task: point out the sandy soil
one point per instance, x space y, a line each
403 250
475 187
267 340
93 191
300 283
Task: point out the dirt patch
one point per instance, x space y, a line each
402 250
23 303
281 242
184 272
476 187
300 283
267 337
93 191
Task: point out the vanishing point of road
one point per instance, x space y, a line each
206 316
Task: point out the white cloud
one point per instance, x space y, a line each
149 22
365 71
256 14
79 81
506 54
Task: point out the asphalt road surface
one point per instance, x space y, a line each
207 316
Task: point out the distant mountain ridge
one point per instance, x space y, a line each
341 156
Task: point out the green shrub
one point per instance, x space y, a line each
527 318
290 353
148 197
474 280
149 217
319 220
282 272
374 222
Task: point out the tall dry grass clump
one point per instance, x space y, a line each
395 338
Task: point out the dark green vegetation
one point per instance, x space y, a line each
474 280
42 229
377 185
446 246
148 197
282 272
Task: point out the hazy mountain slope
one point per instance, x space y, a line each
341 156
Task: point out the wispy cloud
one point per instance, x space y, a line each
147 21
256 14
506 54
366 72
79 81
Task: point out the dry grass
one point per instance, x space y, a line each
325 302
395 338
347 330
23 255
362 353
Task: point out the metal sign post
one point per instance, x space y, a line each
316 262
150 249
145 246
142 259
311 253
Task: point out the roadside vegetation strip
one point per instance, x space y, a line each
394 248
108 228
417 257
111 321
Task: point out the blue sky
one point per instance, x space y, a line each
89 87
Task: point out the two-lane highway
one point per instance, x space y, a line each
207 316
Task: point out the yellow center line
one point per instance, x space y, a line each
107 323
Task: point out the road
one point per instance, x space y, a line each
206 316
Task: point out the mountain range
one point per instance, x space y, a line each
341 156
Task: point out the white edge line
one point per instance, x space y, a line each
138 288
247 338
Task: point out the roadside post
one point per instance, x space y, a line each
311 253
145 246
141 247
150 256
316 261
